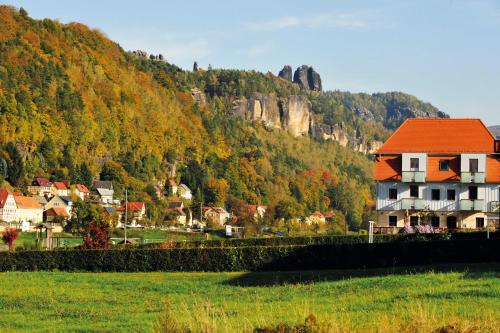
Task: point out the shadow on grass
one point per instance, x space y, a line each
265 279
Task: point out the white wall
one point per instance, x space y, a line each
464 162
406 161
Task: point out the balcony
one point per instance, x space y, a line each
413 204
472 177
413 177
471 205
494 207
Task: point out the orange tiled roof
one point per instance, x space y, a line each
82 188
57 211
27 202
440 136
492 170
4 194
387 168
60 186
436 175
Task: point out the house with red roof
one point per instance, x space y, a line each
81 191
216 215
42 187
136 211
61 189
315 218
8 206
443 172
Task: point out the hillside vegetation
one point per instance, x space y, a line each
74 105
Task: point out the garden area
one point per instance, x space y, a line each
446 298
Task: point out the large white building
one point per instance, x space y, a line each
440 171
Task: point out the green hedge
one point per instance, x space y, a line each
256 258
320 240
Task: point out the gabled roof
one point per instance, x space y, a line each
175 204
110 210
60 186
4 194
104 192
27 203
40 199
440 136
57 211
40 181
135 206
106 184
81 188
184 188
66 199
318 214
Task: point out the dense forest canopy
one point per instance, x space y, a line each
74 105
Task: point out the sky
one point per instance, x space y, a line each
446 52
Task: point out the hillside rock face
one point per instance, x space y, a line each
292 114
286 73
307 78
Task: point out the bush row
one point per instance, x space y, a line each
333 256
320 240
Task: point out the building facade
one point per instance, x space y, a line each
443 172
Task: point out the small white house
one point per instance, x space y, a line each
184 192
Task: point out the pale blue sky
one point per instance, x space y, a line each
446 52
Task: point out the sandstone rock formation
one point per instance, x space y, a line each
286 73
198 96
307 78
292 114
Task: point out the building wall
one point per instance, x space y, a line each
9 212
34 215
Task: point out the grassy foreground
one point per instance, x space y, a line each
358 301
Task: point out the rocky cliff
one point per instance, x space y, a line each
307 78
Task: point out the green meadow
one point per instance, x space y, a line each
411 300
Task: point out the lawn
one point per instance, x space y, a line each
351 301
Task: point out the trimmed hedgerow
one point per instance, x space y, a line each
256 258
321 240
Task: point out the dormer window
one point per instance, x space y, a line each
414 164
444 165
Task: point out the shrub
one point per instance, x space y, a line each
9 237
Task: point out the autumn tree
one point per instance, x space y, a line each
216 192
9 237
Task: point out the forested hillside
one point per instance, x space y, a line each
74 105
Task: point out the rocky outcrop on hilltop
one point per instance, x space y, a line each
292 113
286 73
307 78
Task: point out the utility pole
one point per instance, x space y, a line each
126 217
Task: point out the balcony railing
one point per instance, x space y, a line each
494 207
413 176
472 177
471 205
413 203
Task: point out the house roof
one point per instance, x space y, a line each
4 194
110 210
27 202
318 214
492 170
175 204
65 198
135 206
57 211
103 184
387 168
40 199
104 192
81 188
183 187
40 181
440 136
60 186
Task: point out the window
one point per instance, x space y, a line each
435 221
472 192
393 221
444 165
473 165
413 220
393 194
414 164
479 222
450 195
451 222
414 191
436 194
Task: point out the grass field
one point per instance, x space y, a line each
371 300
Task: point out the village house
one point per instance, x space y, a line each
136 211
55 216
42 187
315 218
41 200
172 187
60 202
8 206
176 208
104 191
61 189
217 215
257 211
81 191
184 192
443 172
28 210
